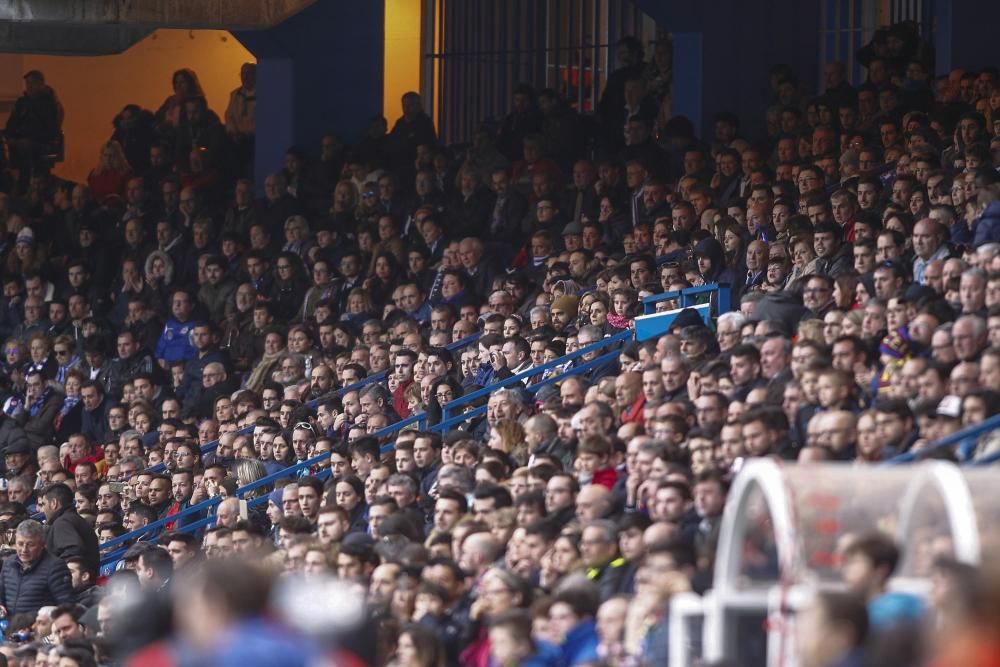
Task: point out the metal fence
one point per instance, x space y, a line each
482 50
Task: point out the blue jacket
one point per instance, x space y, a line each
175 342
988 227
580 645
546 655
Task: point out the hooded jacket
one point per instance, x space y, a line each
711 249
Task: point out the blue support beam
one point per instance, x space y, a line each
320 72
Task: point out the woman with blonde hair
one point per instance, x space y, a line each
297 237
111 173
813 330
508 437
249 471
274 350
345 201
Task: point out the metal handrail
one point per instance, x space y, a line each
685 295
950 441
533 371
210 447
208 503
285 472
569 372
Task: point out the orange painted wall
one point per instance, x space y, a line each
402 54
94 89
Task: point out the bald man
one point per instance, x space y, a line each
479 551
837 433
757 254
629 397
228 513
593 502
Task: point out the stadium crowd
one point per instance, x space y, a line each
160 307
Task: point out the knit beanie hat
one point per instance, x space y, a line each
566 303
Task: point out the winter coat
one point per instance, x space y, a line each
70 535
25 591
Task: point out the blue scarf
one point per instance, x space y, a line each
69 403
37 405
63 370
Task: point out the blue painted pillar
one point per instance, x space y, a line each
688 77
965 34
723 50
320 72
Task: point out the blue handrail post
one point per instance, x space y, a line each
725 298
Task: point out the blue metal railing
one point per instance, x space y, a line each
962 439
687 297
419 419
210 447
449 408
446 424
208 504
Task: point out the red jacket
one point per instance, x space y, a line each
605 477
634 414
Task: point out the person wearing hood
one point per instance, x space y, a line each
711 260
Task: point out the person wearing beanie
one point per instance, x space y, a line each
564 311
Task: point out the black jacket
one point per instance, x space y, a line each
70 535
47 582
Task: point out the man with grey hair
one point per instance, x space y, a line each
972 292
228 513
727 330
479 552
969 336
505 404
599 551
456 478
539 316
375 400
471 253
32 577
541 434
588 335
675 370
